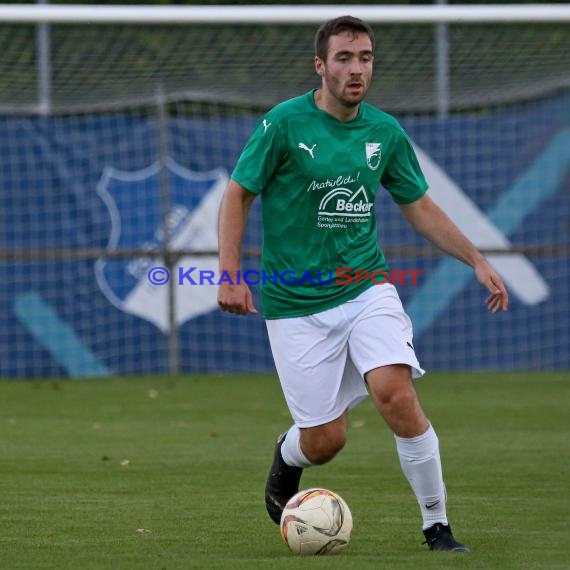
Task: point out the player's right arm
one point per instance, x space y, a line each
234 297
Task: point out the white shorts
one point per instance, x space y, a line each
321 359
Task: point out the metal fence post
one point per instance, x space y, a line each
169 260
43 65
442 67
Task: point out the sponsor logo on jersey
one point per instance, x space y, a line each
333 182
343 202
373 154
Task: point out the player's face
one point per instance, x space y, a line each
347 71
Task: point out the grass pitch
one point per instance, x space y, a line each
162 473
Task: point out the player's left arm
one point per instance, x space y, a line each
428 219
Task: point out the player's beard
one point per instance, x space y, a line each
342 91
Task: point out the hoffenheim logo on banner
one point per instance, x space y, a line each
134 203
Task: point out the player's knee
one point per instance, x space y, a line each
397 401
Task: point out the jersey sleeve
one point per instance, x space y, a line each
261 156
403 177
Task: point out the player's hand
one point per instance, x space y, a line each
236 299
489 278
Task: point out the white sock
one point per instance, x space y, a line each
291 449
421 463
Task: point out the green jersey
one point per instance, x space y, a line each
318 178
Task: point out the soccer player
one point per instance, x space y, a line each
317 161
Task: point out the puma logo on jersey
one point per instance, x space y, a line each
309 150
266 125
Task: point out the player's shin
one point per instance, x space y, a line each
421 463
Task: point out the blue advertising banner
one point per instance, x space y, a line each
83 182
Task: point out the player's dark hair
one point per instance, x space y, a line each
337 26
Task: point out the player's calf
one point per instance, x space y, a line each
322 443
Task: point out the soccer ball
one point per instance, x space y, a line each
316 522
